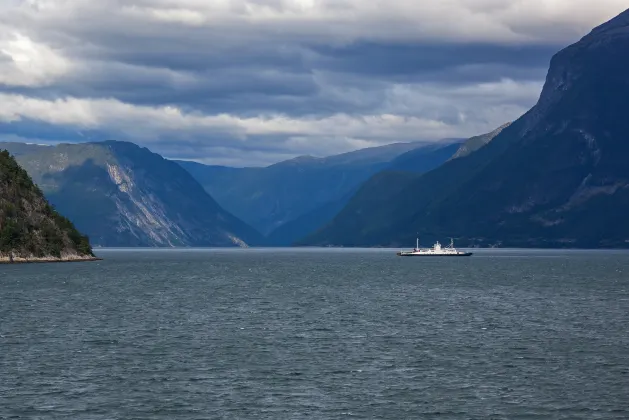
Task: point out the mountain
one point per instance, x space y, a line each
305 224
556 177
375 193
124 195
424 159
474 143
30 228
272 196
416 161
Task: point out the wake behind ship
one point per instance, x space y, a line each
435 251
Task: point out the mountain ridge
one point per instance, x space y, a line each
122 194
269 197
476 142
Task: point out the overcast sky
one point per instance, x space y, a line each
241 82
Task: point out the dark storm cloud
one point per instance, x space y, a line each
420 62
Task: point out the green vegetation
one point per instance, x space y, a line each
29 225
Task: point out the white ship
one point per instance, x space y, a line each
435 251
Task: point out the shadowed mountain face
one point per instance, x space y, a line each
305 224
557 176
306 190
425 159
124 195
412 162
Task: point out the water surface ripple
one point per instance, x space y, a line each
326 334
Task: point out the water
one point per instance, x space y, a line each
325 334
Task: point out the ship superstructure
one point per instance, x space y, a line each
436 251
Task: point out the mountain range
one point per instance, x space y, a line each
120 194
291 199
123 195
269 197
555 177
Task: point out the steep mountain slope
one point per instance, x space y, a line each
424 159
30 229
124 195
557 176
474 143
269 197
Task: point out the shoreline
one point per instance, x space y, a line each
42 260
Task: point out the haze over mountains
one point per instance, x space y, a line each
272 196
419 160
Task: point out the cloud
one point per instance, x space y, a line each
495 21
24 62
408 113
398 110
254 81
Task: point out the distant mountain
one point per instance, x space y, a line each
124 195
416 161
30 228
305 189
474 143
289 232
374 196
424 159
557 176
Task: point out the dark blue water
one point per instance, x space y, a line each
326 334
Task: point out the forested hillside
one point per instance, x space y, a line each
30 228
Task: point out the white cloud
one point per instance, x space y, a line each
183 16
24 62
307 135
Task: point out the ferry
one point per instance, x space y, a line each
436 251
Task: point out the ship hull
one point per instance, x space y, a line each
465 254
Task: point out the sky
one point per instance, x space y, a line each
250 83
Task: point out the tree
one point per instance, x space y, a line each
9 236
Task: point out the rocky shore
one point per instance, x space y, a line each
6 259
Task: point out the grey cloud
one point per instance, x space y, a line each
324 83
336 58
415 61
